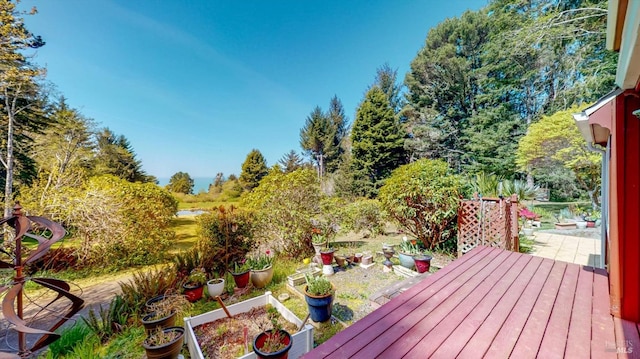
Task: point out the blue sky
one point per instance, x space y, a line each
196 85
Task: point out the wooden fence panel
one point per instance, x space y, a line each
488 221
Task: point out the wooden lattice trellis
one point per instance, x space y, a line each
488 221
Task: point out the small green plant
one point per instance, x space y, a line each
241 266
318 286
261 261
105 324
407 247
197 277
275 336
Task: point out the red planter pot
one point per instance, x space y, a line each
260 339
423 263
327 257
193 294
241 279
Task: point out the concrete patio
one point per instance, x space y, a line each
567 248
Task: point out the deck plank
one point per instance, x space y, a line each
580 324
627 339
444 319
517 316
554 340
602 330
434 308
529 341
473 310
354 337
482 327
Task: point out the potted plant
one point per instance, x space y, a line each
163 310
194 284
164 343
274 343
422 261
319 297
215 286
261 269
241 273
406 253
318 240
527 216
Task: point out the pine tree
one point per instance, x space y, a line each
253 169
181 182
290 162
377 143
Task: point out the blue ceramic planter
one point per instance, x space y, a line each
319 307
406 260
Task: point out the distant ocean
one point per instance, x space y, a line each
200 184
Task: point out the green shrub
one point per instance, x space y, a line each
423 198
364 215
284 205
224 236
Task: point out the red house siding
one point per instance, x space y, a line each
624 246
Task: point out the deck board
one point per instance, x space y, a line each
472 311
506 338
481 327
432 309
496 304
602 335
345 343
580 324
555 336
443 319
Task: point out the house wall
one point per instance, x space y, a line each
624 255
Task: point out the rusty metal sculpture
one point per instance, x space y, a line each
12 304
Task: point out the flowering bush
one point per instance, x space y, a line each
261 261
526 214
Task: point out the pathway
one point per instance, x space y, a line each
567 248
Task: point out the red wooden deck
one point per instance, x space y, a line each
496 304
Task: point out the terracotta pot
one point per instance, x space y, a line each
259 340
241 279
340 260
261 278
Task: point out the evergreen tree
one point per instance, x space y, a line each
290 162
338 131
315 137
181 182
115 156
253 169
377 143
387 80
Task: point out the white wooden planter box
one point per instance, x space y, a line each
302 340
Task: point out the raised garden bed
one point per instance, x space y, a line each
249 313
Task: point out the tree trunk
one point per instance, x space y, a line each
8 188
